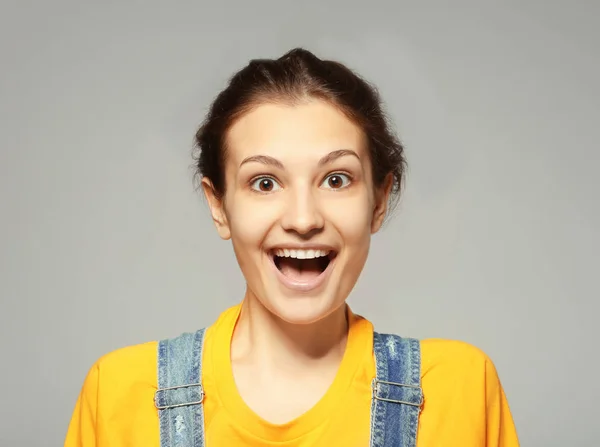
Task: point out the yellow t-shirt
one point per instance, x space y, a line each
465 405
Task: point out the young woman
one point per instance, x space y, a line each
299 168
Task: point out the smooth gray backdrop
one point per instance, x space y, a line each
496 240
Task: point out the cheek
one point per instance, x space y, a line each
352 218
250 221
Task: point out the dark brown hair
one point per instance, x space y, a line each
295 77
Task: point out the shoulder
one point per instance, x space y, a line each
135 356
139 362
437 350
119 370
444 361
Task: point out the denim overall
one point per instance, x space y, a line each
395 406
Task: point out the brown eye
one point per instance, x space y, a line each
337 181
264 184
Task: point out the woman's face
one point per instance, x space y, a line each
300 206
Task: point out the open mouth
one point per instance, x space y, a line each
302 265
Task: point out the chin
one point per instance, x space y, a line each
303 310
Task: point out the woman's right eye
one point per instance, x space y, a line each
264 184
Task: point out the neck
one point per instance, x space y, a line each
260 337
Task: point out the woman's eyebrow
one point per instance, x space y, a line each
332 156
263 159
271 161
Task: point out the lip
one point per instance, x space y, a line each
303 286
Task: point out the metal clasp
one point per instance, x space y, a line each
375 390
162 390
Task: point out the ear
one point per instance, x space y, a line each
382 197
217 209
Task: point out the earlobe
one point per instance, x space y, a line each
382 196
217 210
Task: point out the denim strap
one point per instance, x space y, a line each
397 394
179 396
395 407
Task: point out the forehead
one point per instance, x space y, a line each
307 130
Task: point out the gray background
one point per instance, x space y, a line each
103 239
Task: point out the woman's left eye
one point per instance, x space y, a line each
336 181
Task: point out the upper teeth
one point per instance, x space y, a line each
300 254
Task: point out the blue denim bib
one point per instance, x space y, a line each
395 406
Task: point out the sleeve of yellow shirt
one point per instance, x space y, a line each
82 429
464 404
501 430
116 405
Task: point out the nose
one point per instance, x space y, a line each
302 213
